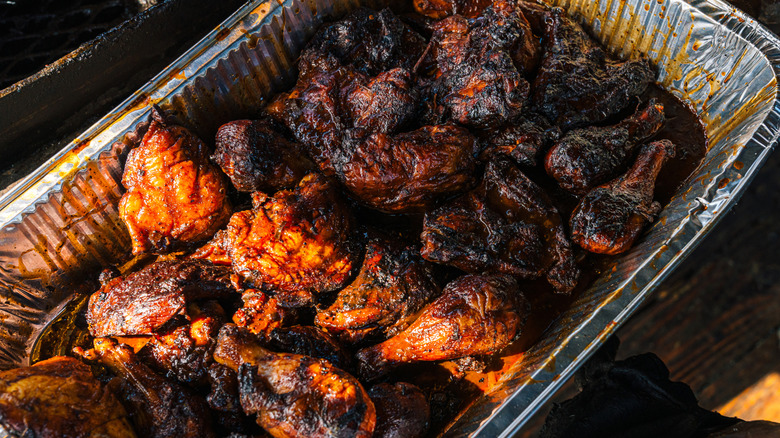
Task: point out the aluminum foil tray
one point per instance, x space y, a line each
60 224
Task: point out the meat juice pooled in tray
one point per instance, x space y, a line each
378 246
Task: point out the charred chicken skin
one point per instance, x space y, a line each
522 141
407 172
438 9
184 353
392 286
506 225
256 156
481 67
297 243
309 341
174 195
587 157
476 314
60 398
577 83
402 410
371 42
146 300
609 219
261 313
294 395
160 408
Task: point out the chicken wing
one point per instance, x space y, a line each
506 225
160 408
577 83
609 219
297 243
476 314
402 410
146 300
257 157
392 286
587 157
261 313
174 195
294 395
60 398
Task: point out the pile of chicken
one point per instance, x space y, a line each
295 311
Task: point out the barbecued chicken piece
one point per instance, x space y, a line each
60 398
402 410
294 395
438 9
587 157
261 313
577 83
372 42
409 171
315 110
392 286
174 197
144 301
298 242
506 225
386 102
214 250
522 140
309 341
257 157
481 83
159 407
475 314
609 219
184 353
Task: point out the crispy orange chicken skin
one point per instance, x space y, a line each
174 195
393 284
402 410
261 313
476 314
296 243
59 398
610 218
161 408
294 395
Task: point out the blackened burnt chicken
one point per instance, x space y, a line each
174 197
609 219
587 157
577 83
369 41
60 398
522 141
294 395
309 341
392 286
296 243
160 408
257 157
184 352
386 101
476 314
402 410
409 171
506 225
144 301
480 82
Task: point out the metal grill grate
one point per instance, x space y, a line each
34 33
